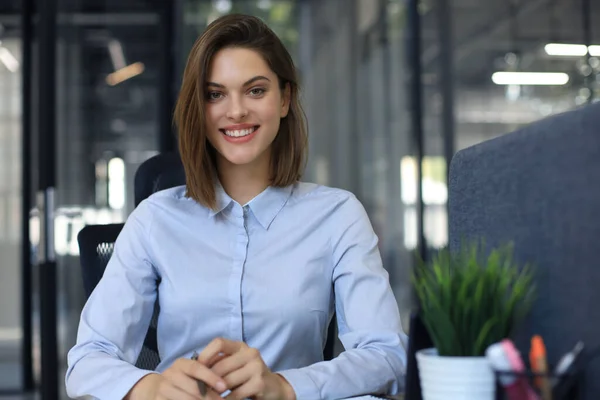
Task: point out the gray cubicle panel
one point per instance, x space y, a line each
539 187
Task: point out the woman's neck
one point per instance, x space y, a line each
244 182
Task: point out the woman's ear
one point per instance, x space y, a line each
286 95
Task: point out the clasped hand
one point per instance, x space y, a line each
223 365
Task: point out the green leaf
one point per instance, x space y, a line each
468 301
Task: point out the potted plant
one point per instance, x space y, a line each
468 302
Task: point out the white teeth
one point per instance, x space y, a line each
239 133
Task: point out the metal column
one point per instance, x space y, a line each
166 94
416 102
26 268
446 78
45 198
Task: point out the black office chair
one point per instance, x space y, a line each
163 171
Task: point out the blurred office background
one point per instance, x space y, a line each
392 88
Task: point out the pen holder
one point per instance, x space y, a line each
567 386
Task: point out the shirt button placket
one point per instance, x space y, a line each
242 240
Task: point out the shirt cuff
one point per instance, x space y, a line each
302 383
126 382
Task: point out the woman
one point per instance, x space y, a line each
251 262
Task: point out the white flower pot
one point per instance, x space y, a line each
456 378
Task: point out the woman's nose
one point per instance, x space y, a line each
237 109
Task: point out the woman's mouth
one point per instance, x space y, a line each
240 135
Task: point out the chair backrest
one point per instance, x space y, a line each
540 188
162 171
96 244
95 249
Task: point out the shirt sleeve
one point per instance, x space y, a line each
368 319
115 319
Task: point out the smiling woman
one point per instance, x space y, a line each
249 78
244 110
248 264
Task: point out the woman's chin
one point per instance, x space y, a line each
239 160
247 156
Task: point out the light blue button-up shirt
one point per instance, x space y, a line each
270 274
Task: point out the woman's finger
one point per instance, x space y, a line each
254 388
169 391
235 361
218 345
216 359
187 384
194 372
241 376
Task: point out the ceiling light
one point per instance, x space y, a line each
567 50
571 50
125 73
530 78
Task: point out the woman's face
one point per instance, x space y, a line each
244 107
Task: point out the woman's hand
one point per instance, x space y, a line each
244 371
179 382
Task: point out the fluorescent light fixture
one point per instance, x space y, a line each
125 73
571 50
9 61
566 50
530 78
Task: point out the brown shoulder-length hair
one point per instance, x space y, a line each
290 145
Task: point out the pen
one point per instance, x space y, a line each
201 385
539 365
567 361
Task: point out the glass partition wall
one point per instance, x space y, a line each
11 198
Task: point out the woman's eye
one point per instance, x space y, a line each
257 91
213 95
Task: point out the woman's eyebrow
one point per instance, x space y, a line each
248 82
256 78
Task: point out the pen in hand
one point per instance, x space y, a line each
201 385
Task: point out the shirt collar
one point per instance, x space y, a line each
223 199
265 206
269 203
